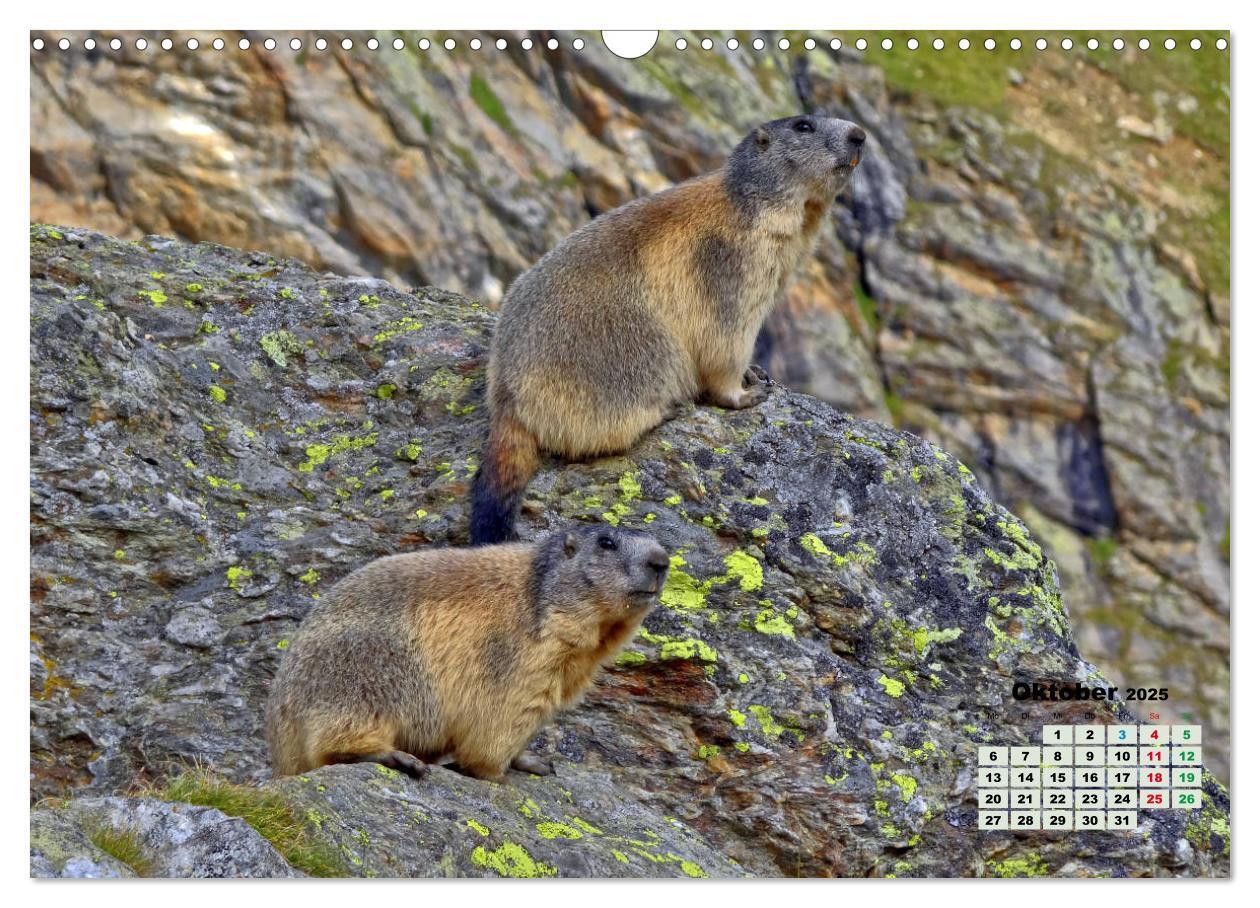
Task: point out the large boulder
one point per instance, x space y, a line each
217 436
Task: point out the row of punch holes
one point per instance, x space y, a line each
296 44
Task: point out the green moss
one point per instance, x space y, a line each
511 860
123 845
266 811
485 98
708 751
386 391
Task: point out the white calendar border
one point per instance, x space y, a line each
662 14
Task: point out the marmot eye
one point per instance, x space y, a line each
804 126
607 542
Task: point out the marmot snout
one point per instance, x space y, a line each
651 305
462 652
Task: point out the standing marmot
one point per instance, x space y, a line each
655 303
458 651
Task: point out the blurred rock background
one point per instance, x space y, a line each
1031 267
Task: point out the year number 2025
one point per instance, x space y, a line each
1146 693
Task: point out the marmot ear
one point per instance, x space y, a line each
570 545
761 137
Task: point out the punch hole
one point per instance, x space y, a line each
167 44
835 43
475 44
1170 44
270 44
501 43
1195 44
732 44
1066 44
321 44
938 44
707 44
912 44
758 44
373 44
964 43
38 44
552 44
681 44
886 44
1016 44
424 44
990 44
630 45
860 44
192 44
784 44
295 44
1221 44
116 44
449 43
1117 44
346 44
217 44
527 44
398 44
810 43
1144 44
578 44
89 43
1042 44
1092 44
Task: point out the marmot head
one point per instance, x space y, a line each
602 573
811 153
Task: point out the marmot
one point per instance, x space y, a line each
462 652
651 305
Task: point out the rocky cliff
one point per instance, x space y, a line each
218 436
1030 268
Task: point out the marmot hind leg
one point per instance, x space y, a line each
750 389
394 759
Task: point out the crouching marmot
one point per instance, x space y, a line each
462 652
651 305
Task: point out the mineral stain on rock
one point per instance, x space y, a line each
834 671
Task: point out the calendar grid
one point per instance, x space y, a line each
1089 777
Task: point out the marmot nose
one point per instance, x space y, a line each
658 560
857 136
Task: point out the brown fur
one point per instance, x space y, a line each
656 303
462 652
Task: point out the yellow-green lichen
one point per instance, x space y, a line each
511 860
892 686
236 575
319 453
478 828
553 830
217 394
1029 866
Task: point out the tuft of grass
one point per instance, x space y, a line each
123 845
266 811
485 98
